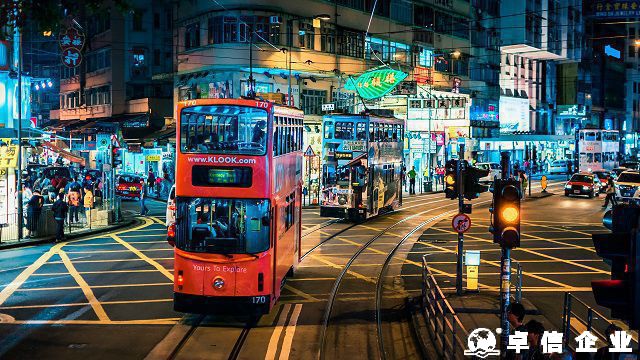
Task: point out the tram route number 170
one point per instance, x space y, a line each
258 299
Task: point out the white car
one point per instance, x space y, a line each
495 171
559 167
627 186
171 206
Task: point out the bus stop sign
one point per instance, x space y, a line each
309 152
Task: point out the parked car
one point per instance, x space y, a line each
559 167
582 184
495 171
128 186
627 186
171 206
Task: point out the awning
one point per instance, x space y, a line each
357 159
64 153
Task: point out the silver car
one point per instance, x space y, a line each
495 171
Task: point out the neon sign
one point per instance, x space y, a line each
376 83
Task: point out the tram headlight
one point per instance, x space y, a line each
218 283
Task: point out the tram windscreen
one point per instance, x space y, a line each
225 226
223 129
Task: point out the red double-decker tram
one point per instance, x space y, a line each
238 203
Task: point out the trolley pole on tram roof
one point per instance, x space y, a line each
460 168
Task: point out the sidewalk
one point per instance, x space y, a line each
74 231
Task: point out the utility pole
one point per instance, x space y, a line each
19 183
505 268
251 93
460 180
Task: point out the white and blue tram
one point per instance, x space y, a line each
361 175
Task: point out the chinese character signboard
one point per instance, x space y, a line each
71 42
376 83
616 8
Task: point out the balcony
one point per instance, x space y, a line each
84 112
158 108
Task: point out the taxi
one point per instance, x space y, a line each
128 186
583 184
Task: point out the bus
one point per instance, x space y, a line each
238 190
598 149
362 171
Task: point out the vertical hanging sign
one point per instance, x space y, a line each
71 42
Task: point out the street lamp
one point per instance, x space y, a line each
321 17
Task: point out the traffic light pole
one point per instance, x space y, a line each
505 271
460 181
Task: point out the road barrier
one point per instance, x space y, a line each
445 329
577 317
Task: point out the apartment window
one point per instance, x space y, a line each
632 51
156 57
328 38
350 43
99 23
138 18
232 29
138 58
156 21
192 36
68 73
312 101
99 59
306 35
169 19
632 32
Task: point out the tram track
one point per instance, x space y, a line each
335 290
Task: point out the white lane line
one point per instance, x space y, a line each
275 337
289 332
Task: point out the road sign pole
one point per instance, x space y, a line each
308 180
460 181
505 297
505 270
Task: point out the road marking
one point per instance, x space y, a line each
24 275
554 241
299 292
570 262
156 220
275 336
350 272
86 290
115 302
289 331
94 287
110 260
112 251
556 228
167 321
144 257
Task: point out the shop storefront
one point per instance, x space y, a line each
311 167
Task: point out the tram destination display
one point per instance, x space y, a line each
222 176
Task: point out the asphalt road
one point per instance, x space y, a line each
109 296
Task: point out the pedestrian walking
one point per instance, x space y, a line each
143 197
611 193
60 209
412 180
34 209
523 183
535 330
88 203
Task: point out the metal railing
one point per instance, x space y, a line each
446 331
577 317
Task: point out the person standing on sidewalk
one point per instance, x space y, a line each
34 209
88 203
73 197
143 198
60 209
412 180
151 181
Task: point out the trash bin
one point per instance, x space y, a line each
427 186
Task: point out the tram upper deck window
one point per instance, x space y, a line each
227 129
361 131
343 130
598 136
226 226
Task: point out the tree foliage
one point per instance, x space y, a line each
49 15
